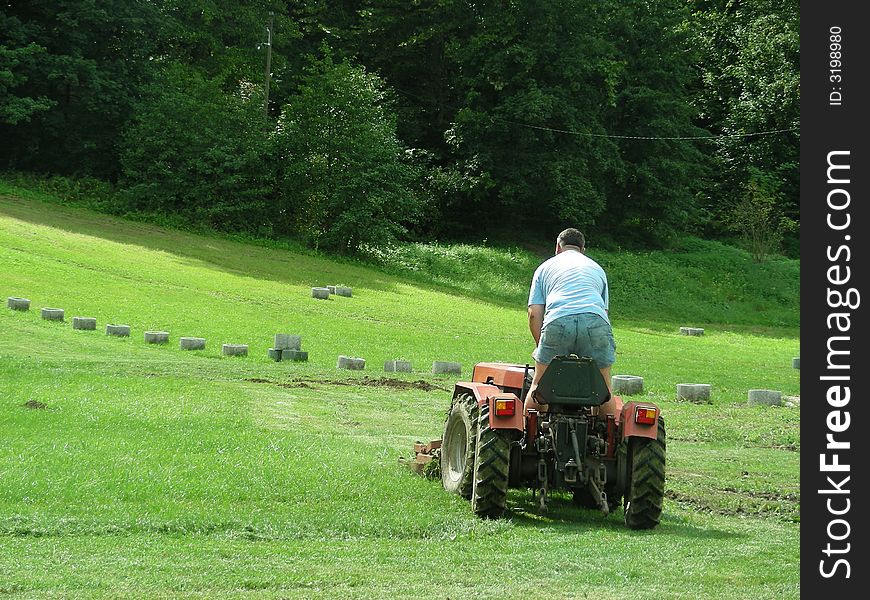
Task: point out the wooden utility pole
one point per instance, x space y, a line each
268 63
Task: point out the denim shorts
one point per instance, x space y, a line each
585 334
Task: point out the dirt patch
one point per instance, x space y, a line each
743 503
773 496
292 384
383 382
34 404
796 447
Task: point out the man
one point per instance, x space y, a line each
568 311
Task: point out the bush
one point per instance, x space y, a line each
756 217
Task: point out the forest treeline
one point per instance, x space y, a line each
416 119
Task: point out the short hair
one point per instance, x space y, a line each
571 237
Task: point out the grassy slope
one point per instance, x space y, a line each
697 282
154 471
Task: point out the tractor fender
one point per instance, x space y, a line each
487 394
630 428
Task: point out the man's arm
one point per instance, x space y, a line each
536 321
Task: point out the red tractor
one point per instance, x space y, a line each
490 445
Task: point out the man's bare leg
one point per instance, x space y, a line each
605 372
609 407
530 402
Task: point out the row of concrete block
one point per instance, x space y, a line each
629 385
700 392
399 366
323 293
151 337
287 347
195 343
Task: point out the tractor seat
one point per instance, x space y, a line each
572 381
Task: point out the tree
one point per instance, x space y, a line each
657 191
342 181
224 39
514 105
749 60
15 62
71 76
530 72
194 151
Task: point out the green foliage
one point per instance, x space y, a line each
749 56
76 68
655 194
757 219
526 72
226 39
14 62
703 282
508 119
342 179
195 152
87 192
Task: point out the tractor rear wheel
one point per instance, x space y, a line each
491 468
646 485
457 446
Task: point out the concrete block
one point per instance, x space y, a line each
285 341
397 366
52 314
156 337
191 343
694 392
118 330
85 323
320 293
626 385
275 354
691 331
796 363
764 397
234 349
441 367
343 291
331 289
354 364
18 303
294 355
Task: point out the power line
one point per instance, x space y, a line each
623 137
651 137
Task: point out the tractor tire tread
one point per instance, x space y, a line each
643 502
491 469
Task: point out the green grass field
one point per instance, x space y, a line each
148 471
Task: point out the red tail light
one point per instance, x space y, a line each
505 407
645 415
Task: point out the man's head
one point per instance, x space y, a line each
570 239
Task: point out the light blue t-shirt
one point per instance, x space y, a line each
570 283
